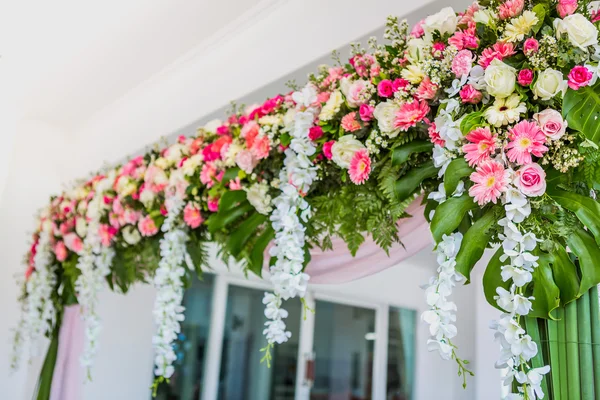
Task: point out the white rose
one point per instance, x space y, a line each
175 152
444 22
415 50
81 226
580 31
500 79
548 84
258 196
131 235
343 150
385 114
147 197
332 107
211 126
288 120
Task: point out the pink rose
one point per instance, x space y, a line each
579 77
462 63
399 83
60 251
470 95
531 180
385 89
327 149
73 242
147 226
525 77
566 7
530 46
315 132
246 161
213 204
366 112
551 123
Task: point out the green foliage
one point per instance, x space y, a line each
585 208
401 154
449 215
582 244
457 170
492 278
475 241
410 182
470 122
581 109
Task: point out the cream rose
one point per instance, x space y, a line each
500 79
548 84
131 235
580 31
444 22
385 114
332 106
343 150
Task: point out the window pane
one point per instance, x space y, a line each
243 376
186 382
344 344
401 354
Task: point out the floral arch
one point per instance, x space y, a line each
487 117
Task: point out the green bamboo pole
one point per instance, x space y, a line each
533 330
595 317
555 365
586 361
573 372
562 353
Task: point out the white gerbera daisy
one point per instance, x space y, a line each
505 111
520 26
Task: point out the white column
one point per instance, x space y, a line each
305 347
381 352
214 346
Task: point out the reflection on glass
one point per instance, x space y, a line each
186 382
242 375
344 343
401 354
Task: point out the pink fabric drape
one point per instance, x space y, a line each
67 381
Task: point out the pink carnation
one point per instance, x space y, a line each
360 167
60 251
399 83
579 77
470 95
315 133
482 145
525 77
349 122
192 216
464 39
434 135
106 233
531 46
384 88
410 113
566 7
208 174
147 226
491 180
499 50
213 204
261 147
366 112
462 63
73 242
235 184
510 8
531 180
417 30
526 139
327 149
427 89
246 161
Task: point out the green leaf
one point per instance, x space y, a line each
238 238
449 214
545 292
222 219
492 278
408 183
564 272
255 263
470 122
582 244
581 109
540 12
199 255
230 174
456 171
231 198
474 243
44 384
585 208
401 154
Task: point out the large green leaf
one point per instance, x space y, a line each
407 184
564 272
255 262
402 153
540 11
474 243
199 255
457 170
582 244
470 122
492 278
449 215
225 217
237 240
545 292
586 209
581 109
44 384
231 198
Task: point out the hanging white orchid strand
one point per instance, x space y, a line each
38 311
289 214
517 347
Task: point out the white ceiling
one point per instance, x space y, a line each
72 57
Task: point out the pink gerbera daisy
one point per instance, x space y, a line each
360 166
410 113
526 139
510 8
434 135
192 216
491 179
482 146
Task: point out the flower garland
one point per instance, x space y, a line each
291 210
